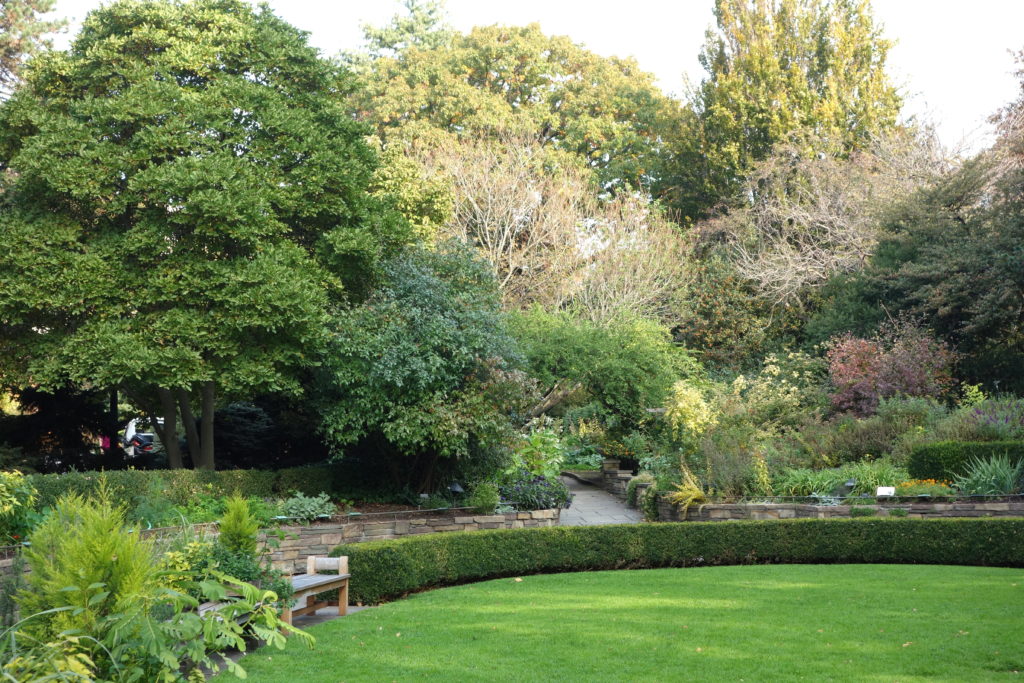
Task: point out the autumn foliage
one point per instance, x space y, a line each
905 362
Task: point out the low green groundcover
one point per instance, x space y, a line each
754 623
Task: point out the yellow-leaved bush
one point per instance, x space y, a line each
17 496
687 411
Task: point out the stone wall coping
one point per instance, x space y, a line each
762 511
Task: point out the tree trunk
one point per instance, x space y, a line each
208 394
112 423
558 393
189 422
169 437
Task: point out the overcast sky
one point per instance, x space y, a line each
952 57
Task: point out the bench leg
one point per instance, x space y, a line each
286 613
343 600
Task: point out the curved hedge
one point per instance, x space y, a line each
385 570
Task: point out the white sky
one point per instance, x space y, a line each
952 57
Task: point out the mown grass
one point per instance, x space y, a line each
746 623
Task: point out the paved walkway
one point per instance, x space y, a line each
592 506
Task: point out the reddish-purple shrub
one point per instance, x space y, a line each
906 362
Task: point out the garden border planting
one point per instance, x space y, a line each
387 570
183 485
948 459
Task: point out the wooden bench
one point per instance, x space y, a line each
307 586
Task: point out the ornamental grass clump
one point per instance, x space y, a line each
998 476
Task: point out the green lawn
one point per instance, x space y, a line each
752 623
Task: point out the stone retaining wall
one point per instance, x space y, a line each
725 512
290 552
291 545
614 480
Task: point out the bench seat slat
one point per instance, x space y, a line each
304 581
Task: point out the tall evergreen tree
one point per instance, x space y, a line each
775 67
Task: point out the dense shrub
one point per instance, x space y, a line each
949 459
484 499
423 370
16 499
1003 417
389 569
96 584
907 362
528 491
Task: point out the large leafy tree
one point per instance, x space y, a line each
775 67
189 201
952 255
426 82
23 33
956 258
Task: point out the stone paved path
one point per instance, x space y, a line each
592 506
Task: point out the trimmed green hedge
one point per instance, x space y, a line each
385 570
948 459
181 486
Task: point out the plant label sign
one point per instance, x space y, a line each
884 491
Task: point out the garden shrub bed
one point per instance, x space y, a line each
183 485
387 570
948 459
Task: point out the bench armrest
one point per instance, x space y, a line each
316 563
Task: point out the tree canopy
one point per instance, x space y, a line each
500 79
189 198
23 33
775 67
